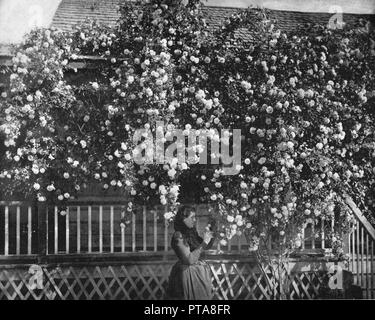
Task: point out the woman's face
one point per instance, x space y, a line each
190 220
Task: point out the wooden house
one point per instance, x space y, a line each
89 254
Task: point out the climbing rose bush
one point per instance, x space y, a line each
56 134
304 106
303 102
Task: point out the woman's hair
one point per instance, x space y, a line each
182 213
190 235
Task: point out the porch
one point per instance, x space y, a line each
96 251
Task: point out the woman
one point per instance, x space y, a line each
190 277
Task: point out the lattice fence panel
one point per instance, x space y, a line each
306 285
241 281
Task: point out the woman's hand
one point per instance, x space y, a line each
207 236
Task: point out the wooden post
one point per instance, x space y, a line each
67 232
359 283
78 229
133 232
100 229
18 230
144 216
346 242
56 222
6 240
42 222
89 214
353 248
29 230
111 229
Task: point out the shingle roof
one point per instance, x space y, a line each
287 20
71 12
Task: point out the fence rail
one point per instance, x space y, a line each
18 227
99 227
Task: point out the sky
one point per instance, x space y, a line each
19 16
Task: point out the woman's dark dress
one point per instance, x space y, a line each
190 277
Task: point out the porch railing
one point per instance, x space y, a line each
105 227
18 229
361 249
93 228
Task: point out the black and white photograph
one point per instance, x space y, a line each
187 150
